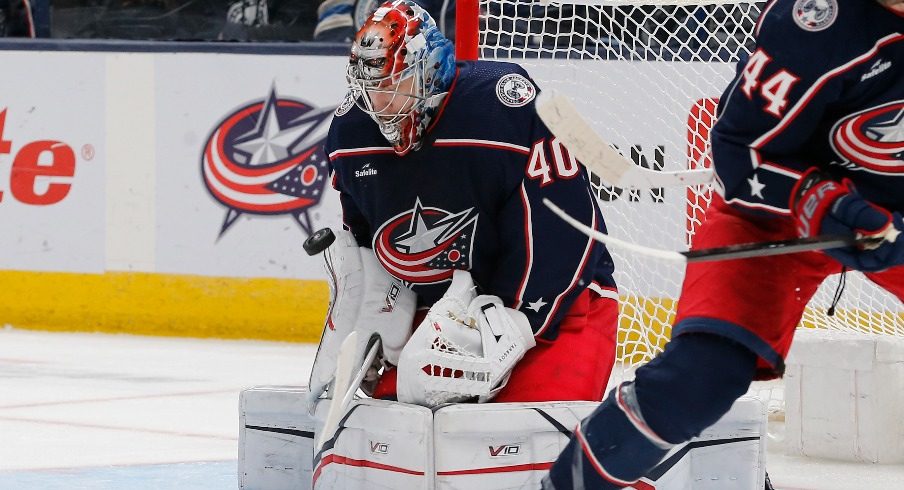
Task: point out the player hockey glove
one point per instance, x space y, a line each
821 205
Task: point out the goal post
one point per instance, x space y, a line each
467 29
648 75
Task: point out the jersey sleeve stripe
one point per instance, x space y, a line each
787 172
817 86
768 167
483 143
758 206
360 151
759 21
528 246
574 279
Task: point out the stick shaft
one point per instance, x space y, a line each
764 249
740 251
600 158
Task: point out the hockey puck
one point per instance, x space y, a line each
319 241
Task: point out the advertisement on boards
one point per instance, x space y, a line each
52 126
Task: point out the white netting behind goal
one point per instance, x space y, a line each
648 77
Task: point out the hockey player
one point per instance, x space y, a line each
441 168
809 141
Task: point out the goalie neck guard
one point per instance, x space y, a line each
399 71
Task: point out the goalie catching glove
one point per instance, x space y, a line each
821 205
466 347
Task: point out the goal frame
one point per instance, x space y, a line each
645 322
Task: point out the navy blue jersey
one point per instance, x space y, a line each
471 198
824 88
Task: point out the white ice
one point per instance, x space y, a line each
71 401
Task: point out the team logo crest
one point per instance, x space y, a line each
267 159
815 15
423 245
515 90
346 104
873 139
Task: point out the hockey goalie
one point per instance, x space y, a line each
462 349
434 433
451 284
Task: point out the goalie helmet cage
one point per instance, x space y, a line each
647 76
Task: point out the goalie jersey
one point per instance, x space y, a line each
471 198
824 87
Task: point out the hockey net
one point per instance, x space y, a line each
647 76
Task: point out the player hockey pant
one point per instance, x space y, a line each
757 301
672 399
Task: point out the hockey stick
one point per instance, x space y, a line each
344 388
740 251
362 371
598 156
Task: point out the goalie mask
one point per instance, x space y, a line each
399 71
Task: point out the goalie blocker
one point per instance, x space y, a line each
390 445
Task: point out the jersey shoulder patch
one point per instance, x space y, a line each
515 90
815 15
346 104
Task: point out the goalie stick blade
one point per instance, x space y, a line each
362 371
740 251
341 382
344 389
564 121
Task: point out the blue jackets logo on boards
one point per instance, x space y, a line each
267 158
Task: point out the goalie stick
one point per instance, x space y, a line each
740 251
564 121
344 388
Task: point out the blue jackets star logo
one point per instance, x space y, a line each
873 139
267 158
424 245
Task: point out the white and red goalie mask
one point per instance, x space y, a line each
399 70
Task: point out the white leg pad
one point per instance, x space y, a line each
494 446
379 445
276 438
729 455
497 446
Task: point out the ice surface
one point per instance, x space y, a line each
124 412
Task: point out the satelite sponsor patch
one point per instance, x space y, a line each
815 15
515 90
